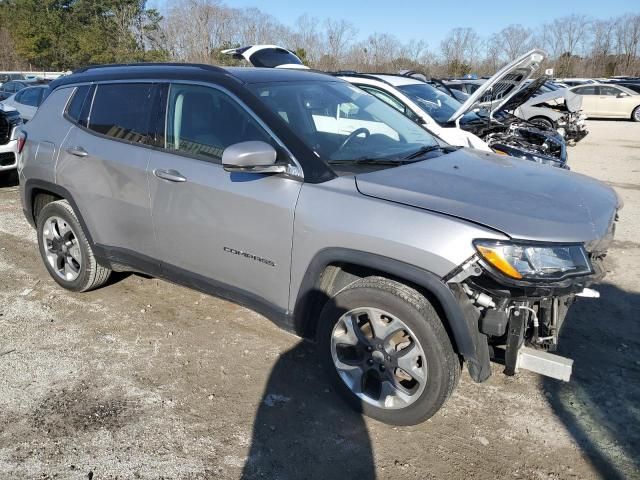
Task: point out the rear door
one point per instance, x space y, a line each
227 230
103 163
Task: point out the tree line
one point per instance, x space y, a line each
67 34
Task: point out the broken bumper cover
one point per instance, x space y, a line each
520 321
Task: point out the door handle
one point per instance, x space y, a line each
77 151
171 175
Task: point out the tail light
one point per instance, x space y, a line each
22 139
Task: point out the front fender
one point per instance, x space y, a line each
459 320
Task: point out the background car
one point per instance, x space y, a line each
27 101
635 85
13 86
574 82
609 101
7 77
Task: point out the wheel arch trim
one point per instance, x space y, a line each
32 185
467 342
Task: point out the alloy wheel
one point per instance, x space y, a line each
379 358
61 248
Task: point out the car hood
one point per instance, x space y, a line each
252 53
524 94
519 198
4 107
503 85
572 101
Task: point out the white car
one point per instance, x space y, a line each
27 101
9 122
609 101
389 88
268 56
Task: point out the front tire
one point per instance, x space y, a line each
387 352
65 250
635 116
544 123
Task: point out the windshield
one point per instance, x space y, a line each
438 105
340 122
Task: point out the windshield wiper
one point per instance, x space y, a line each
369 161
426 149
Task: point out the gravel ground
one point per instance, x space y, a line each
145 379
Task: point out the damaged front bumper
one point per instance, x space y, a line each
575 128
520 321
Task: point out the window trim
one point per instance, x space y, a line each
295 172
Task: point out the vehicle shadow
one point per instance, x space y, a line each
302 429
599 406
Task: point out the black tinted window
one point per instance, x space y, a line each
203 121
122 111
272 57
78 108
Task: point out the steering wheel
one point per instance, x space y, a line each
353 135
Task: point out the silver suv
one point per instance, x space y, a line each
321 207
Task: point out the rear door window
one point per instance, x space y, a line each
123 111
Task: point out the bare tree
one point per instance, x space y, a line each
460 50
338 36
197 40
602 60
627 35
565 37
514 41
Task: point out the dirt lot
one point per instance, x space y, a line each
145 379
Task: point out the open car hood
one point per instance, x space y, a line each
524 94
572 101
496 91
516 197
269 56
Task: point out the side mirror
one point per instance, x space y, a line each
253 157
621 95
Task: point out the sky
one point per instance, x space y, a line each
431 20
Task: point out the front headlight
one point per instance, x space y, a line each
523 261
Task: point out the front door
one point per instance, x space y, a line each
590 100
610 103
231 231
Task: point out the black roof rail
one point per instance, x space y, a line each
202 66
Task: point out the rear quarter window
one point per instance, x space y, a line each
78 108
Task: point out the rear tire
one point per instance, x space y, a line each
402 367
65 250
635 115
